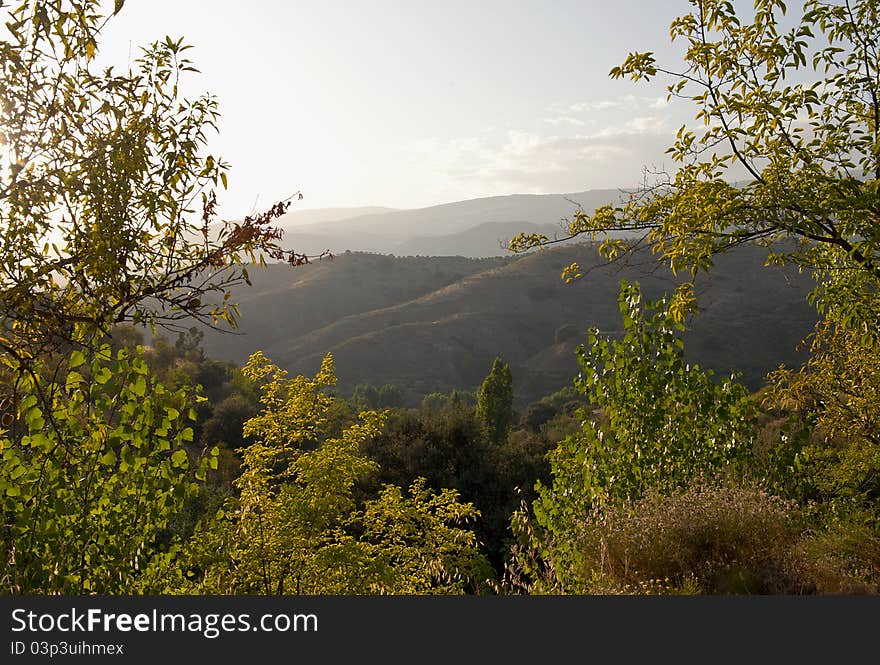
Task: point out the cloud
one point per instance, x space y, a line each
629 103
645 124
596 105
565 120
521 161
590 144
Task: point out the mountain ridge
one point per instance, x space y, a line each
431 324
447 229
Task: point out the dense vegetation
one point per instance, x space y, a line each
135 468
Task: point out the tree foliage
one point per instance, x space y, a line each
447 445
107 193
366 396
785 151
297 525
107 214
495 402
786 143
657 423
836 398
90 479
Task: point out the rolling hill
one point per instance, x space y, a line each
473 228
431 324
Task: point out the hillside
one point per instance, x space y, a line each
472 228
484 240
436 323
286 303
295 219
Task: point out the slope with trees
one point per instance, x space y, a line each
126 469
433 324
796 112
108 215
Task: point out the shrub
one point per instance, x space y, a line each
843 557
537 414
711 539
656 424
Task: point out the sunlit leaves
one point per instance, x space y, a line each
837 396
76 359
571 272
108 170
90 476
656 422
784 143
297 525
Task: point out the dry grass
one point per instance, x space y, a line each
724 540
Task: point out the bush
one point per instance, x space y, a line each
536 415
708 539
656 424
844 557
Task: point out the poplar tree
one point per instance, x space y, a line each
495 402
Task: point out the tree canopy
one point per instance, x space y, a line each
495 402
108 195
786 144
297 525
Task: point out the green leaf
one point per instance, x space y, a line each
76 359
73 379
103 375
34 420
41 441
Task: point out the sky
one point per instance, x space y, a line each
414 103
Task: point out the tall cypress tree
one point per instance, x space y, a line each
495 402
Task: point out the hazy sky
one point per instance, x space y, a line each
409 104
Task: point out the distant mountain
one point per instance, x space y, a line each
461 215
459 228
298 218
433 324
479 241
308 242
